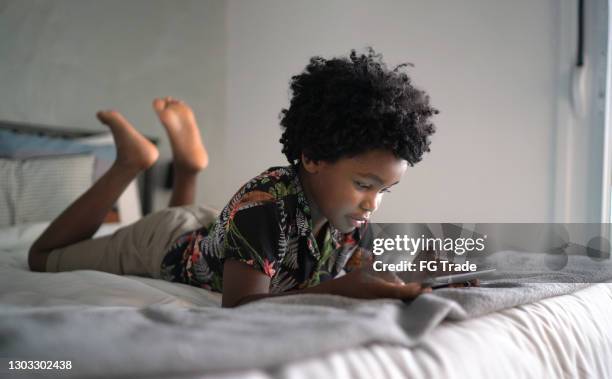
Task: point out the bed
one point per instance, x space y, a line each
112 326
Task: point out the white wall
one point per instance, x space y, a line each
497 70
488 65
62 60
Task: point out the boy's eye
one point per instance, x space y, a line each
362 185
368 186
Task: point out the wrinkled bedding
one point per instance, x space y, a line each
103 321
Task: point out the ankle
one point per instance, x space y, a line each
185 171
126 169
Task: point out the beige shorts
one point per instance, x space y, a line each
136 249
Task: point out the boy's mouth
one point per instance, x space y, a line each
357 222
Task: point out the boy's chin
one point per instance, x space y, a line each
345 228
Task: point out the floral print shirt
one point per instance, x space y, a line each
267 224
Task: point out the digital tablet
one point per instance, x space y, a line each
443 281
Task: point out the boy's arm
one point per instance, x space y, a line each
243 284
241 281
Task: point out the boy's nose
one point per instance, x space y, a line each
369 205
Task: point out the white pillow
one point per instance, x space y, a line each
46 186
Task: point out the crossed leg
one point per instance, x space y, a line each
134 153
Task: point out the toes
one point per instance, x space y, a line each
116 116
159 105
173 101
111 118
104 116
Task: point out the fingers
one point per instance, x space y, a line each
403 291
389 276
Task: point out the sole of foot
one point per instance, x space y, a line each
189 153
134 150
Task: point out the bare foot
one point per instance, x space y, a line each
134 151
188 151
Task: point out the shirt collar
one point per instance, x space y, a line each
301 196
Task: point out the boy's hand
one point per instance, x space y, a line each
365 284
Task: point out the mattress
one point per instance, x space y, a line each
564 336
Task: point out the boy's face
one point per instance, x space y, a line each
351 189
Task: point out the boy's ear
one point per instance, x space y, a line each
310 166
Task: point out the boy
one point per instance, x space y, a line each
351 130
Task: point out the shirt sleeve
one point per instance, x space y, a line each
254 235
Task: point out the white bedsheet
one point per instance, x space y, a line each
568 336
565 336
19 286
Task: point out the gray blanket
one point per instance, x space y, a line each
126 342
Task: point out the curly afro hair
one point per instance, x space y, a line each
343 107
